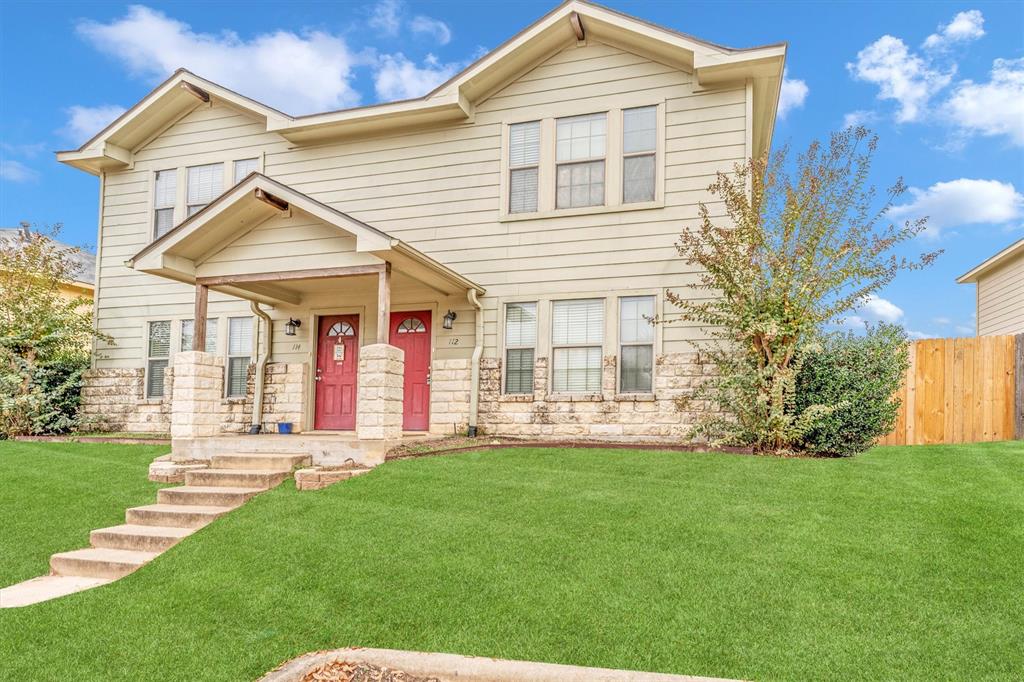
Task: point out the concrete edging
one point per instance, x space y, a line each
456 668
582 445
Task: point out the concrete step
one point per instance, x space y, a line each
46 587
139 538
260 460
99 563
236 478
206 495
176 515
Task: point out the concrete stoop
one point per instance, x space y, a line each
209 493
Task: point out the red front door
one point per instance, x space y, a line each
337 359
411 333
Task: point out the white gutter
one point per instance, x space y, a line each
474 363
261 363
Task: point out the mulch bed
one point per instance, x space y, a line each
342 671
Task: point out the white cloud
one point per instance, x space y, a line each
433 28
858 118
296 73
945 321
882 309
964 329
16 171
792 94
84 122
917 336
992 108
964 27
399 78
385 16
28 150
964 201
900 75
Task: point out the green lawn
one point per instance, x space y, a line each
905 563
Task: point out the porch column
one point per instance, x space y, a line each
199 322
383 303
379 402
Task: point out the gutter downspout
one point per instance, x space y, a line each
474 363
261 367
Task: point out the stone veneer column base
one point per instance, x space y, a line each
196 402
381 381
450 384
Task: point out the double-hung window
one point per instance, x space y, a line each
188 333
244 167
205 183
158 353
520 346
579 155
165 194
239 355
636 344
523 162
577 338
639 147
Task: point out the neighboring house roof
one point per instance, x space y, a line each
86 276
257 198
711 64
1003 256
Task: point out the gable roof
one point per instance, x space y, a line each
256 198
712 65
975 273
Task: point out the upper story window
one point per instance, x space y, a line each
244 167
165 194
639 152
523 163
579 153
205 183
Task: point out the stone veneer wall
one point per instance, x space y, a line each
380 384
600 415
450 384
284 395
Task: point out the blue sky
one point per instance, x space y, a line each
941 83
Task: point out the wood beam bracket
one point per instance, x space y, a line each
197 92
577 26
270 199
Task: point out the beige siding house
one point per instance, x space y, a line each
485 257
1000 291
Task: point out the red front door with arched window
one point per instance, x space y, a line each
411 332
337 362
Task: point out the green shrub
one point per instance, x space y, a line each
858 375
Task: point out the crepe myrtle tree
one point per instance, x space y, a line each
796 248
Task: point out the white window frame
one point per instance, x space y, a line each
147 336
557 346
234 169
512 168
653 153
228 355
614 158
188 171
509 346
155 207
215 321
590 160
653 343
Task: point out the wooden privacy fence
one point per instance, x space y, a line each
962 391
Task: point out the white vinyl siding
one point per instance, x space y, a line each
577 338
244 167
579 151
524 157
165 193
636 344
520 346
158 354
205 183
187 334
639 148
239 356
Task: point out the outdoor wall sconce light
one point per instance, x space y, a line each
449 317
291 326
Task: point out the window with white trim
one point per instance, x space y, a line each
523 164
244 167
577 340
165 195
205 183
520 346
158 353
636 344
239 356
188 333
639 151
579 155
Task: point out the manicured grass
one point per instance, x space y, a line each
53 494
904 563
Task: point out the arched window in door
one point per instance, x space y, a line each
341 329
411 325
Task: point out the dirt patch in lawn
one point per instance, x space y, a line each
443 446
344 671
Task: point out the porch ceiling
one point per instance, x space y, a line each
275 273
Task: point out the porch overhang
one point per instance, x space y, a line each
180 254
